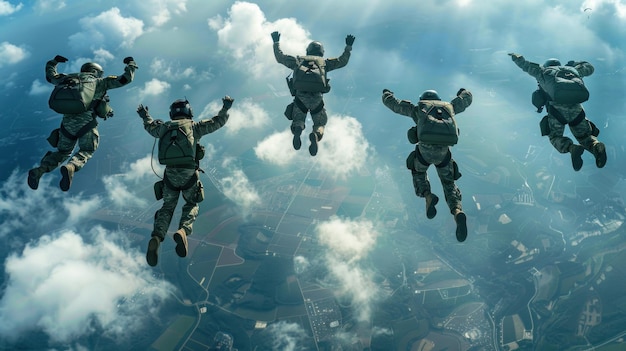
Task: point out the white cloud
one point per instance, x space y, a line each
243 115
103 275
121 187
11 54
287 336
6 8
159 12
348 242
43 6
79 209
107 28
39 88
169 70
154 87
102 55
277 148
245 36
238 188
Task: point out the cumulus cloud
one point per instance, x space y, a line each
39 88
108 28
6 8
343 150
244 114
104 276
43 6
238 188
160 12
245 36
287 336
11 54
171 71
121 187
348 242
154 87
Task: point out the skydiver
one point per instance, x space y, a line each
433 142
81 128
180 152
565 109
308 85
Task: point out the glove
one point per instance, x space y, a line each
59 58
227 102
275 37
350 39
458 93
128 59
142 111
515 57
387 91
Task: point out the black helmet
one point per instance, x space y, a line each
430 95
315 48
181 109
92 67
552 62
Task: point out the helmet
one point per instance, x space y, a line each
430 95
181 109
315 48
552 62
92 67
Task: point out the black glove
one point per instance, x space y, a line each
458 93
227 102
142 111
275 37
59 58
128 59
515 57
350 39
385 91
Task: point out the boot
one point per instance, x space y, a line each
297 143
576 152
461 225
313 146
599 152
67 173
33 177
180 237
431 201
152 256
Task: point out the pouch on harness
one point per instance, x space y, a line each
74 94
438 125
177 146
310 76
564 85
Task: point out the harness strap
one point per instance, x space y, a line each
185 186
318 109
576 121
446 160
82 131
304 109
420 158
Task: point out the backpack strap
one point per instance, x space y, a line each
185 186
82 131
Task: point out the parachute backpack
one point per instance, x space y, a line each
438 125
74 94
177 146
310 75
564 85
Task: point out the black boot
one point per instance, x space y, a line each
431 201
180 237
313 146
152 256
599 152
576 152
67 173
297 143
461 225
33 177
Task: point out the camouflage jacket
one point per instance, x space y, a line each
331 63
536 70
157 127
406 108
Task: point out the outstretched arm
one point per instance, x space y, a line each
52 76
462 100
286 60
341 61
403 107
153 127
534 69
207 126
113 82
583 67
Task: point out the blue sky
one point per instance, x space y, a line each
204 50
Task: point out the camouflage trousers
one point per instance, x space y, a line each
179 177
582 131
311 103
87 144
438 155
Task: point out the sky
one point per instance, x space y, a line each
204 50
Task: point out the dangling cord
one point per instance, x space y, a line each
152 160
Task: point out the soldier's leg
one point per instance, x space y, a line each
564 144
583 133
192 197
298 123
163 216
448 174
419 167
87 146
51 160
